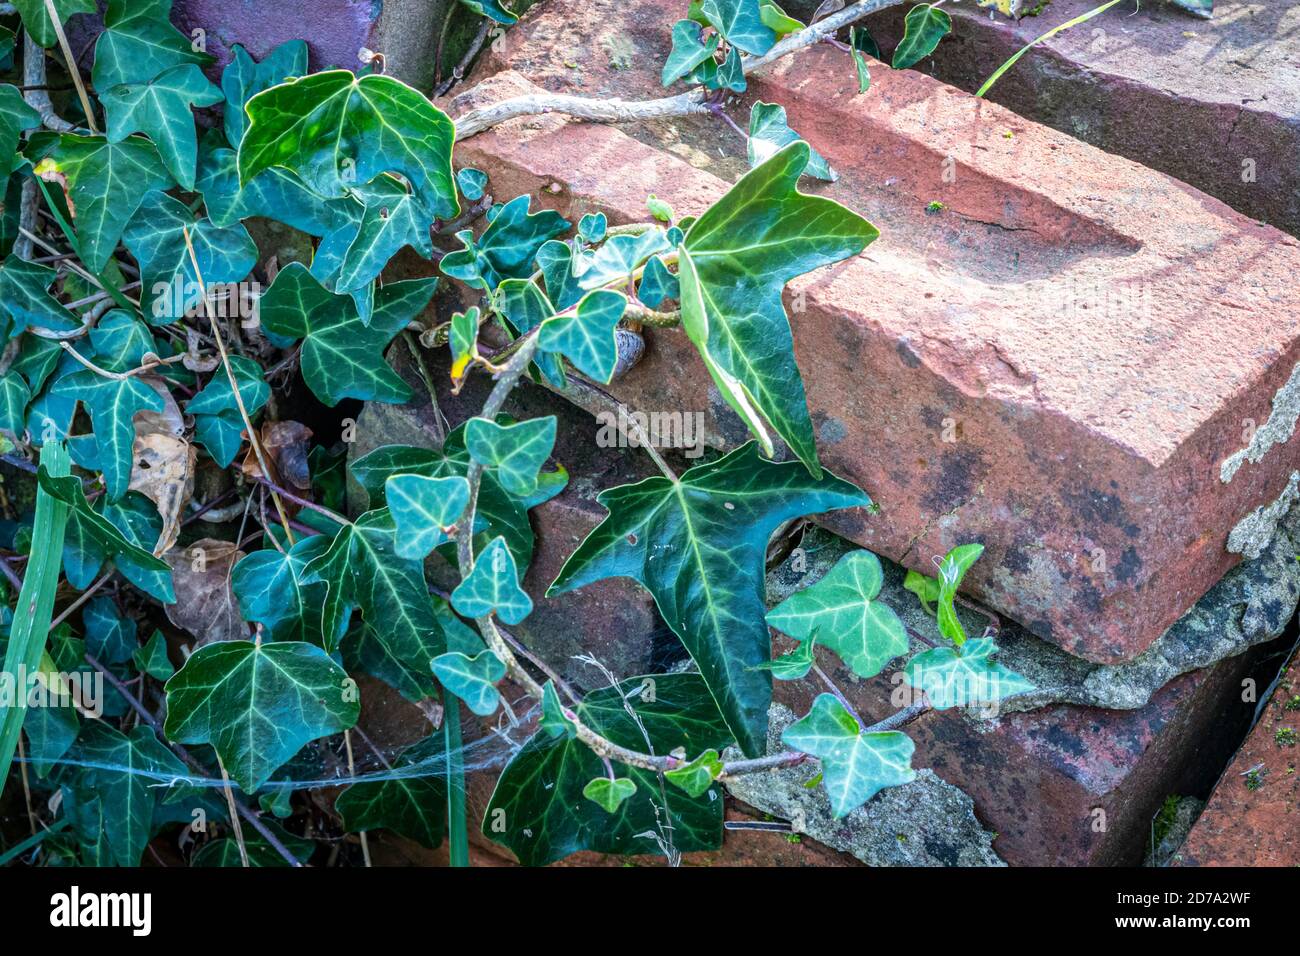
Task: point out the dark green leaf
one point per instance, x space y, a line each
698 545
507 247
471 183
112 404
243 79
923 27
15 116
36 17
769 131
138 43
218 424
689 51
422 507
472 679
585 334
741 22
271 590
515 452
413 804
160 108
25 297
152 658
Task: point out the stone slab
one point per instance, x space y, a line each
1253 816
1214 103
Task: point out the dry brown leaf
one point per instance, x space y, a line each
205 604
286 445
169 421
194 359
162 469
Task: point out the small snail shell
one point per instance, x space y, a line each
631 346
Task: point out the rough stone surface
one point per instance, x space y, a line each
1253 816
923 823
1056 364
1207 101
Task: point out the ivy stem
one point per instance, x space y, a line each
299 500
76 73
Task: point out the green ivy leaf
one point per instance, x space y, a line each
516 452
341 357
392 219
689 51
336 131
697 776
769 131
540 791
160 108
657 284
138 43
422 507
14 397
218 424
109 636
842 607
609 794
781 23
257 704
923 27
413 805
794 665
242 79
585 334
593 226
274 194
733 264
855 766
121 342
472 679
15 116
126 792
471 182
26 300
698 545
156 237
741 22
731 76
464 341
959 677
112 405
619 256
50 731
554 720
493 9
498 513
493 587
860 42
271 589
106 184
152 658
952 570
925 589
506 248
125 530
225 852
36 18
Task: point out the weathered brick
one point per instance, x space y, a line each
1094 338
1253 815
1215 103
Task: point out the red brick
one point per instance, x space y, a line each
1099 432
1253 816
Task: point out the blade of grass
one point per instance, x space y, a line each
457 835
19 849
35 605
1083 17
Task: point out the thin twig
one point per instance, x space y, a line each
234 814
72 66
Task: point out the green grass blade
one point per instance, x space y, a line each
35 603
1083 17
457 833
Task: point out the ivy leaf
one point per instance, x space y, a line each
139 42
842 607
422 507
497 512
25 297
472 679
471 182
855 766
242 79
109 636
689 51
152 658
125 531
225 852
585 335
952 570
160 108
121 341
413 805
697 776
50 731
156 237
741 22
860 42
516 452
698 545
392 218
782 24
341 357
127 791
540 791
112 404
361 569
218 425
15 116
271 590
492 9
464 341
36 17
959 677
257 704
593 226
506 248
14 397
337 130
923 27
609 794
106 184
619 257
554 720
733 264
731 76
796 664
657 284
525 306
769 130
274 194
493 587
